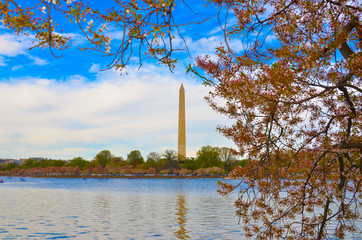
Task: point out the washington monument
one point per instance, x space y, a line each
181 124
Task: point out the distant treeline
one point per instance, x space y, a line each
209 161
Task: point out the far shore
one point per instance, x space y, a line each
104 176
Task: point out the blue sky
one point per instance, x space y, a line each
65 107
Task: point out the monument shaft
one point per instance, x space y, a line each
181 124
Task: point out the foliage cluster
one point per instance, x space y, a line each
208 161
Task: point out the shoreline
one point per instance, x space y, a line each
105 176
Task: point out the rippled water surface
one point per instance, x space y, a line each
50 208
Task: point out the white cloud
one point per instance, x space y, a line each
43 117
116 35
216 30
12 45
16 67
2 61
38 61
76 38
208 45
76 80
94 68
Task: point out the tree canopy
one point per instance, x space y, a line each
208 156
293 87
78 162
148 27
103 157
171 160
134 158
295 94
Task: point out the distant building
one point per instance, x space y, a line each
9 160
37 158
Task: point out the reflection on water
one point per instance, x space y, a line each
115 209
181 218
102 205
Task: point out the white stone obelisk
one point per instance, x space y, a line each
181 125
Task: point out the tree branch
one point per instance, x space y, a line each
325 214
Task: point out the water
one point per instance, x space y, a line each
50 208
